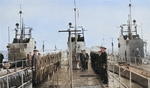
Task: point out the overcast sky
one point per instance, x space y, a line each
100 17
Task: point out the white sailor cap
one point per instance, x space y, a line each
83 49
103 47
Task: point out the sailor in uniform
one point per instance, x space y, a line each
84 57
34 66
103 57
96 61
99 58
137 55
35 60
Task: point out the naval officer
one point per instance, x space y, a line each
100 62
103 58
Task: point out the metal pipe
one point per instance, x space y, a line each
8 35
71 73
75 9
7 82
119 77
54 78
112 47
130 80
113 74
25 83
22 80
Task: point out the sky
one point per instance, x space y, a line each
101 18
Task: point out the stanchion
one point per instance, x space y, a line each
22 80
130 80
7 82
119 77
148 82
135 60
113 74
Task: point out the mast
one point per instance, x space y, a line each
75 13
20 12
130 22
21 37
22 32
8 35
43 45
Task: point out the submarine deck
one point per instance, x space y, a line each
81 79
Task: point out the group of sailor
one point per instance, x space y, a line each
99 64
84 57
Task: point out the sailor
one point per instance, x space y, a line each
97 62
1 59
92 60
99 65
84 57
39 55
34 66
103 58
35 60
137 56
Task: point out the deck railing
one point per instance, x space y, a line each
11 71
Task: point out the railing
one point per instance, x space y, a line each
12 66
124 70
114 78
145 76
14 74
47 65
